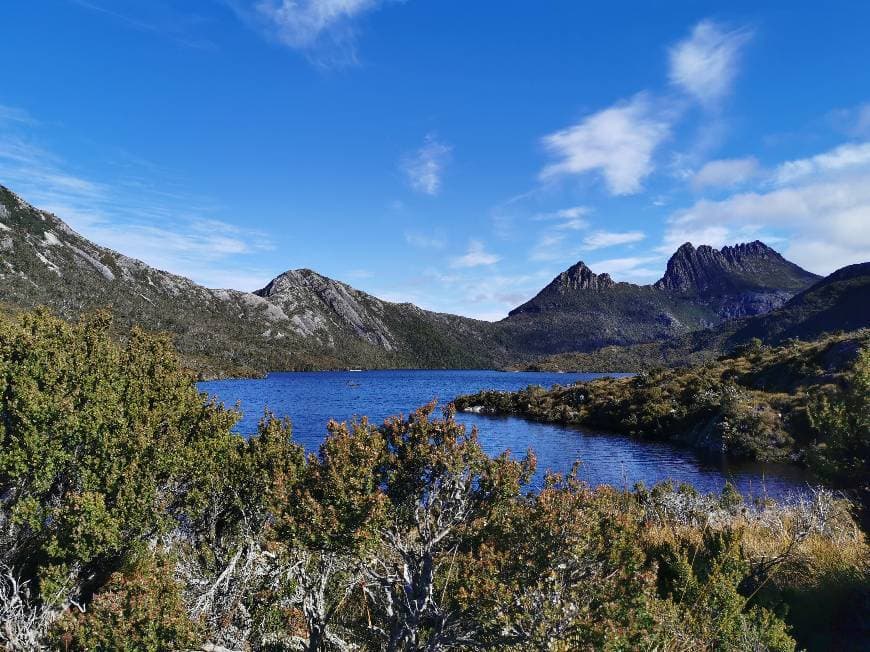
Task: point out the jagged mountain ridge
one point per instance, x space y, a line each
302 319
737 281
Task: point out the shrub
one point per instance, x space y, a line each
139 609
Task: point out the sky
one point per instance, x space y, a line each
454 154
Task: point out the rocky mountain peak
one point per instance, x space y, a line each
319 304
580 277
576 279
752 265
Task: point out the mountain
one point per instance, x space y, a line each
839 302
583 311
338 316
746 279
303 320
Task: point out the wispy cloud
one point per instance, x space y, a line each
840 159
854 121
602 239
158 18
325 30
475 256
705 64
137 214
725 173
549 246
631 268
618 142
552 243
480 292
571 219
425 240
14 114
425 168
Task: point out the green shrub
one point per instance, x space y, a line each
139 609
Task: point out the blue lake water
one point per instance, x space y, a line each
311 399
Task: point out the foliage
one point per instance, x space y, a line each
751 404
139 608
133 519
101 444
842 424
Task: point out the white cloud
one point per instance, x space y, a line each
715 236
725 173
601 239
571 219
303 24
854 121
618 142
481 293
705 64
425 168
476 256
839 159
824 222
549 247
633 268
424 240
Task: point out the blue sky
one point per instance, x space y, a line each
453 154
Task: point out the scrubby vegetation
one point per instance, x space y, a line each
131 518
757 403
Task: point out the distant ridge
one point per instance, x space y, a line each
303 320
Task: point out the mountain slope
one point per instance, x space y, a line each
337 315
839 302
326 323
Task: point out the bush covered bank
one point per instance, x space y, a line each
133 519
764 403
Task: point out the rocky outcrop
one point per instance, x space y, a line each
580 277
736 281
315 302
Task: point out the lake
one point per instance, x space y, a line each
311 399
